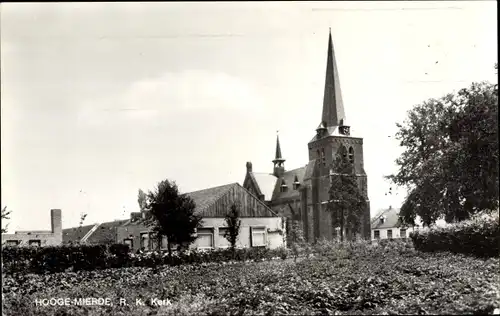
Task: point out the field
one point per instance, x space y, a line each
392 279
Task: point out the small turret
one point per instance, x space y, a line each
279 162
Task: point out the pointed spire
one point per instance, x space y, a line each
279 162
278 148
333 107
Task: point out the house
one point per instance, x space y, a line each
38 238
260 226
386 225
302 194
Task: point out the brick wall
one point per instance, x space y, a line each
46 238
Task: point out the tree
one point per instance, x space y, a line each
83 216
347 203
450 159
5 215
172 215
142 199
297 240
233 224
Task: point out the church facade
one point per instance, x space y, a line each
301 195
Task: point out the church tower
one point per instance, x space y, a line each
333 136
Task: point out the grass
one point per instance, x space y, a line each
356 279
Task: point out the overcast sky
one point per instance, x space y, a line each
101 99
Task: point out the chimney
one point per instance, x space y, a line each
249 166
56 221
390 207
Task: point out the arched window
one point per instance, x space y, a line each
342 152
351 154
323 158
319 155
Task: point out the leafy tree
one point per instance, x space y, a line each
450 161
347 203
5 215
142 199
233 224
297 240
172 215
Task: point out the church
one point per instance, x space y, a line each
301 195
298 195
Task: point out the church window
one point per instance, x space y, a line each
323 158
283 187
342 152
319 155
296 183
351 154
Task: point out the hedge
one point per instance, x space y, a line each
95 257
479 236
61 258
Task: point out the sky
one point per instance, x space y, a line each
101 99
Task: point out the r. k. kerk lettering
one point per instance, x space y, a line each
154 302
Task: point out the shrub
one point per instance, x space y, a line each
94 257
62 258
479 236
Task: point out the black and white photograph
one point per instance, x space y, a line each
249 158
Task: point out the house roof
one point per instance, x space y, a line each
391 219
206 197
309 169
214 202
289 177
75 234
106 232
266 183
